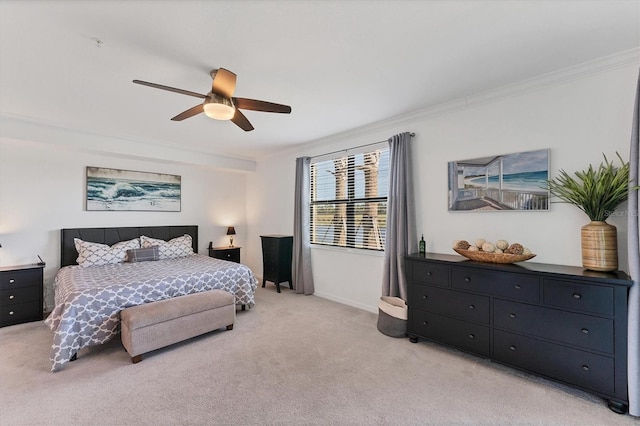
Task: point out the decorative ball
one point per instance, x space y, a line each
526 250
480 242
473 248
488 247
498 251
502 244
515 248
461 244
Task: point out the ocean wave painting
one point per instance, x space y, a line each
126 190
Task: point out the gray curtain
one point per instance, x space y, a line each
302 276
401 223
634 265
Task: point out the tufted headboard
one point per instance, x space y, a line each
110 236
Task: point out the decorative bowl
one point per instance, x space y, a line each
481 256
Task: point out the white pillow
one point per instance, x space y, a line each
96 254
177 247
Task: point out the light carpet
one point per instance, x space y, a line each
292 359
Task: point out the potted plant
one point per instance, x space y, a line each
597 192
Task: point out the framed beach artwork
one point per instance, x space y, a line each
500 182
126 190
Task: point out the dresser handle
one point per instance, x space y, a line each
425 297
11 281
429 273
585 331
471 336
11 296
425 323
512 315
577 296
228 255
472 307
11 313
585 368
517 286
512 348
467 279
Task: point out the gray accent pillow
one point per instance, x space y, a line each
143 254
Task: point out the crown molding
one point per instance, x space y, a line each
26 128
607 63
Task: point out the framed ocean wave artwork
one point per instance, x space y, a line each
127 190
508 182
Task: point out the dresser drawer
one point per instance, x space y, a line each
20 278
573 329
461 334
513 286
430 273
20 312
19 295
579 297
464 306
584 369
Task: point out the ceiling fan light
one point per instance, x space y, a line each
219 108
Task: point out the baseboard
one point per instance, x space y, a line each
372 309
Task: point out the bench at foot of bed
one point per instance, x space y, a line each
152 326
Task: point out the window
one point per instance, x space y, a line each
349 200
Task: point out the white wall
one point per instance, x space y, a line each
579 114
42 189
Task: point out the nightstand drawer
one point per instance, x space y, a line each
19 295
20 312
469 307
20 278
570 365
573 329
513 286
577 296
231 254
430 273
461 334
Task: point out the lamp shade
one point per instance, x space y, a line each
231 230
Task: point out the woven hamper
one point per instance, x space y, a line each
392 316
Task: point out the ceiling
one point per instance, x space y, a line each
339 64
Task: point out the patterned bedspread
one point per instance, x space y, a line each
88 300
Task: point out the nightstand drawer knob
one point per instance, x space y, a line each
517 287
585 331
577 296
512 348
11 281
585 368
11 297
471 336
11 313
472 307
467 279
512 315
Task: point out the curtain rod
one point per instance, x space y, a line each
412 134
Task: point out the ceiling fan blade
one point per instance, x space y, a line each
255 105
189 113
224 82
171 89
241 121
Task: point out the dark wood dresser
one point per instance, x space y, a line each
20 294
231 254
276 259
560 322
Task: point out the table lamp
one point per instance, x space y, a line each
231 231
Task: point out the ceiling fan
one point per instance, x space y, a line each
219 103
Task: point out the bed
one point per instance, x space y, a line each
89 298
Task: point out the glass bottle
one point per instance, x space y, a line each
423 245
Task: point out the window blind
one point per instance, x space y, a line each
349 199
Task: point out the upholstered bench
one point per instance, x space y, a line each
152 326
